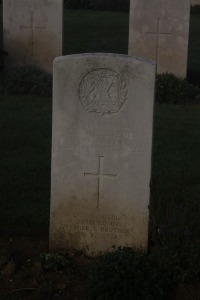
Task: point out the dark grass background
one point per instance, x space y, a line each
95 31
194 46
25 147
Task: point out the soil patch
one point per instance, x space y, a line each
23 274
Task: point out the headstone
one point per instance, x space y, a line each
32 32
101 152
195 2
159 31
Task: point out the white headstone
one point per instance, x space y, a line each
101 152
159 31
32 32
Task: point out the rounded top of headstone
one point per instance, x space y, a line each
105 55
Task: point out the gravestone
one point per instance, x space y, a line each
159 31
32 32
101 152
195 2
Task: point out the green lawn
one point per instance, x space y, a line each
25 126
93 31
1 26
176 163
194 49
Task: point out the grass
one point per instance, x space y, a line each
25 126
1 26
95 31
194 47
176 162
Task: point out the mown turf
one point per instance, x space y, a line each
176 163
194 48
95 31
1 26
25 126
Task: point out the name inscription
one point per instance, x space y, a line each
102 226
108 138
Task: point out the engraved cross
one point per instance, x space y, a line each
158 33
100 176
32 27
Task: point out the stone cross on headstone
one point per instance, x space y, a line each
32 27
168 42
157 33
100 176
33 32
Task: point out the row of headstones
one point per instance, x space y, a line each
33 32
102 120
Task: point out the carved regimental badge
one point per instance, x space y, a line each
103 91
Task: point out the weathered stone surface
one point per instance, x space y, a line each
32 32
159 30
195 2
101 152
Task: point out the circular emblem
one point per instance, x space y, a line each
103 91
